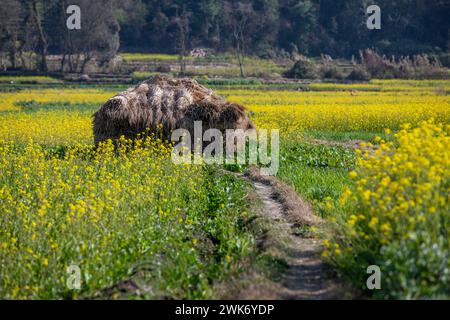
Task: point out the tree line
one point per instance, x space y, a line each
267 28
38 28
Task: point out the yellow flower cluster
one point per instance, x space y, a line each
48 127
86 207
400 208
402 186
9 100
55 126
339 110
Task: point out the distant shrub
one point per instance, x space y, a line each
304 68
140 76
444 58
419 66
331 72
359 73
378 66
266 51
164 68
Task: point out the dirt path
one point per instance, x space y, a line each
306 275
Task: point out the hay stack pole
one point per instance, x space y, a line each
170 103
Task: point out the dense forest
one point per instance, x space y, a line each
265 28
310 27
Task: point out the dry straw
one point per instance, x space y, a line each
168 104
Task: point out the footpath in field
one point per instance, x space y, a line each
306 275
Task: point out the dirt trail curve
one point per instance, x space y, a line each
306 275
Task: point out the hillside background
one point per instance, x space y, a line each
34 36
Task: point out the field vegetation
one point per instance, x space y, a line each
367 156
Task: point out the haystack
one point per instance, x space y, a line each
162 105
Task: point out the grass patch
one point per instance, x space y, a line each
33 106
149 57
28 80
343 136
319 173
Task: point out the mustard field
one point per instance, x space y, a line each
344 108
64 203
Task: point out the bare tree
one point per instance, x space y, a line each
181 22
97 39
238 16
37 10
10 28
